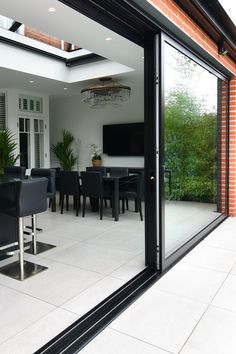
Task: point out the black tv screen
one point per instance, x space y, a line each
123 139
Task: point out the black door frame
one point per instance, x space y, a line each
123 18
165 263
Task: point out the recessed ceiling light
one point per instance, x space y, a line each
108 39
31 81
52 9
65 88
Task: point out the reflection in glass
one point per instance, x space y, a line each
192 154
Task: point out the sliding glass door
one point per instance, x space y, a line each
195 149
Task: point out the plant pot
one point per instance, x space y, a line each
96 163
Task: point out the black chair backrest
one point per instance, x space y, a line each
119 171
30 197
69 182
133 184
92 184
58 171
50 174
101 169
15 171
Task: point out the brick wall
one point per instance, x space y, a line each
175 14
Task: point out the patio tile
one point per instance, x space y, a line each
215 334
226 296
110 341
204 282
211 257
161 319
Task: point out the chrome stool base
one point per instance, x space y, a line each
13 270
40 248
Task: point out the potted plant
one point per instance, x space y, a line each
7 149
96 153
63 151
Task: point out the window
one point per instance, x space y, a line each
31 104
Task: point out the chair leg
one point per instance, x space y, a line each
127 203
123 205
77 205
53 204
101 207
67 202
62 202
84 202
140 209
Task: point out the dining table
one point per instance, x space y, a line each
113 183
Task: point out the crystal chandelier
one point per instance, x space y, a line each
106 93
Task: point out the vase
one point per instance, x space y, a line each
96 163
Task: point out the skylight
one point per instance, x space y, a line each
34 34
229 7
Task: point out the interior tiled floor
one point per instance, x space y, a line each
92 259
191 310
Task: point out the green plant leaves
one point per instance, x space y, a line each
63 151
7 149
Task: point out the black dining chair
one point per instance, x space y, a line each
70 186
92 187
29 197
15 171
133 188
50 174
119 171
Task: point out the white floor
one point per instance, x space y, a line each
92 259
191 310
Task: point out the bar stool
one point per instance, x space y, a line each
50 174
30 197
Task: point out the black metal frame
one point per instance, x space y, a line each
141 31
166 262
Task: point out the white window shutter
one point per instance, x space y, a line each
2 111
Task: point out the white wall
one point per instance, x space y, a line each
86 124
13 114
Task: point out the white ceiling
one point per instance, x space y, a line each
73 27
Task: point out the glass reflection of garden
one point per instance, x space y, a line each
190 148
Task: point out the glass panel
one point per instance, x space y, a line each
32 105
21 123
192 154
41 124
36 129
25 104
27 125
25 149
38 148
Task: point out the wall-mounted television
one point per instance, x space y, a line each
123 139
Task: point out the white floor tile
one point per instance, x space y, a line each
57 284
204 282
215 334
95 258
93 295
38 334
226 296
211 257
19 311
110 341
130 269
161 319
